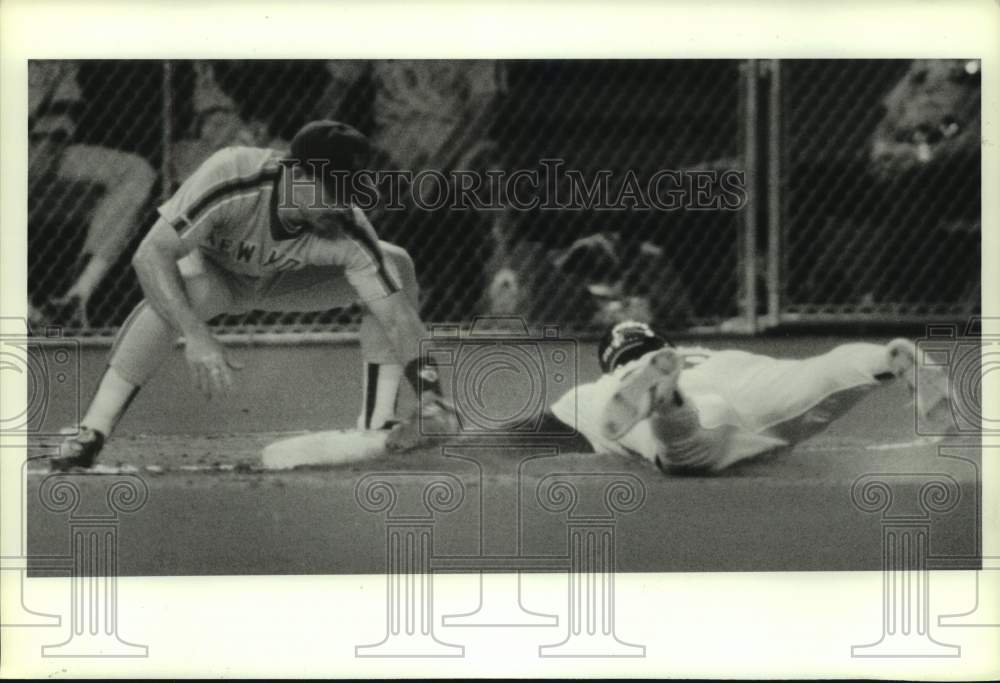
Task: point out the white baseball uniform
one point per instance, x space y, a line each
745 403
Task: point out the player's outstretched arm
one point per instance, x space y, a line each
401 323
155 263
434 414
405 330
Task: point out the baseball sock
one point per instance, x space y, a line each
674 418
676 422
112 398
381 389
143 343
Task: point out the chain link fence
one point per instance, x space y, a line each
690 193
880 189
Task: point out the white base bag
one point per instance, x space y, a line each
336 447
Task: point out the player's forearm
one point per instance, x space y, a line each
163 286
404 329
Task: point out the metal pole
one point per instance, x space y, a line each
775 215
749 238
166 164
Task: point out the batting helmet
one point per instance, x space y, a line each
626 341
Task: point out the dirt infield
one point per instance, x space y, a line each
210 510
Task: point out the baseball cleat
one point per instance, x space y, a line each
78 451
929 385
653 378
902 359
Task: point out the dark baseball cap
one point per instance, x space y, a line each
343 146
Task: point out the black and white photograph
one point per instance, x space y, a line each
496 334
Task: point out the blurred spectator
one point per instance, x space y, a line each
124 181
927 148
438 115
435 114
432 115
873 191
217 124
283 95
345 85
932 115
599 280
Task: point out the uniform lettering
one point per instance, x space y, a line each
245 250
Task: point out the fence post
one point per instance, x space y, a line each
774 194
166 165
748 240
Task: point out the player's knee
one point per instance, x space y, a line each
141 172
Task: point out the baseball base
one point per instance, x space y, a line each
336 447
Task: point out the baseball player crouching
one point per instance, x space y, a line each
252 229
698 411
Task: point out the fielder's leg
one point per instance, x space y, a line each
141 346
382 372
322 289
127 180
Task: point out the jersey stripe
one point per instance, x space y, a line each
371 392
359 236
226 189
190 227
355 233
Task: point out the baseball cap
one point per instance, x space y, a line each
343 146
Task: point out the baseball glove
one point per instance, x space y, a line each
434 419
